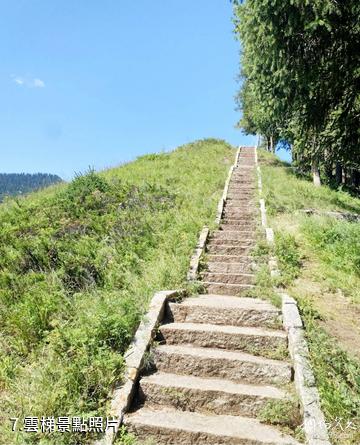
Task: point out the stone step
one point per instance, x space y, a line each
240 220
197 394
233 365
247 179
238 182
250 191
221 249
245 168
240 202
244 204
248 339
226 277
251 221
240 195
251 209
231 242
248 208
241 259
218 267
236 235
225 310
243 193
175 427
235 187
241 224
244 176
237 212
226 289
237 227
242 182
242 171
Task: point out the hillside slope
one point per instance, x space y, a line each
78 264
319 258
12 184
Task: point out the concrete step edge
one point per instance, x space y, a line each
174 426
202 383
230 285
230 274
226 329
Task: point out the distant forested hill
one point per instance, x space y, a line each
20 183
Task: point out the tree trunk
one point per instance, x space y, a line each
328 166
338 173
344 176
268 143
315 165
356 178
315 173
272 148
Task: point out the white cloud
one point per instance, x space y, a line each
29 82
38 83
19 80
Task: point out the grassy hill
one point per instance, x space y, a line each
78 264
319 258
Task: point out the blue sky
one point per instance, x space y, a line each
97 83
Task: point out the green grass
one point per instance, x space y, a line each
338 379
299 193
337 244
319 261
78 265
285 414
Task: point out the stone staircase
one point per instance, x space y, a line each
214 365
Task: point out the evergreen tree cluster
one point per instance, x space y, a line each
300 80
19 183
